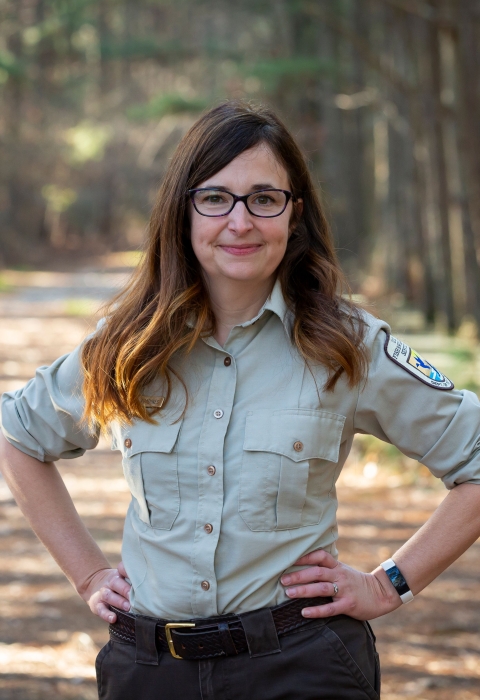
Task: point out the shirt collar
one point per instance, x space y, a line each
277 304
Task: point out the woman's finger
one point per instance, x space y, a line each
119 585
105 613
112 598
313 573
122 570
339 607
319 557
312 590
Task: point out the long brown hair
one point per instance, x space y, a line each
146 324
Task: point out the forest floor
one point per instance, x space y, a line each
430 650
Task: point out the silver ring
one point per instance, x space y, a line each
335 589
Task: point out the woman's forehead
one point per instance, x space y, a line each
254 168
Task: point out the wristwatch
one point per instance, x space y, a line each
398 580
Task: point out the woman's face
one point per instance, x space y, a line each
240 246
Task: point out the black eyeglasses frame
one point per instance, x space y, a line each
243 198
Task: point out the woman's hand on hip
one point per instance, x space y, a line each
108 587
359 595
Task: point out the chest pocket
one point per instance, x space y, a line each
288 466
150 465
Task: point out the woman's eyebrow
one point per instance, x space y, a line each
253 188
263 186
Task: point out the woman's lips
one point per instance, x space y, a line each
241 249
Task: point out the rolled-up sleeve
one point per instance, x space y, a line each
439 428
43 419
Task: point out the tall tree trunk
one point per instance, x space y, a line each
103 37
12 235
468 139
419 184
468 66
441 177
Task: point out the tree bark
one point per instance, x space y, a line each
441 177
469 102
468 139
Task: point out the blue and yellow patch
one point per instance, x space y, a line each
413 363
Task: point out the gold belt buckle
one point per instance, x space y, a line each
171 626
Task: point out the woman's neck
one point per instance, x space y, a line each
235 302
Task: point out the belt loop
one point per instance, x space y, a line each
227 639
261 633
147 652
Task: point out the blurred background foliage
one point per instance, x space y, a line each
383 96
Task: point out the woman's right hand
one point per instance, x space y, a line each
108 587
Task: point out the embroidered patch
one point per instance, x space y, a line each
413 363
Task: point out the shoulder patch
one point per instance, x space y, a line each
409 360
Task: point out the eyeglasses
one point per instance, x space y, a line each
209 201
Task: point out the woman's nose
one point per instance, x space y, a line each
240 218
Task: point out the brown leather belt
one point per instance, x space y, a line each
203 638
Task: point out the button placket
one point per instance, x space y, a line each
210 500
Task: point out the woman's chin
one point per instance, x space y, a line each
244 273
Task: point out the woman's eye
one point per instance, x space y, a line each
263 199
213 199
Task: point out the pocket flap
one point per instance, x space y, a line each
145 437
296 433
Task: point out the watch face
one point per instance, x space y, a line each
398 580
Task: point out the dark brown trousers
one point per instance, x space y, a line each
332 659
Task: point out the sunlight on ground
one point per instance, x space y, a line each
74 659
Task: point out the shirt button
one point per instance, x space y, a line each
218 413
128 443
298 446
205 585
208 528
227 361
211 470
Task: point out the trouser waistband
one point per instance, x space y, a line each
256 632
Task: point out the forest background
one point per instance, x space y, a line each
383 96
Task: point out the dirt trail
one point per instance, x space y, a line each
48 638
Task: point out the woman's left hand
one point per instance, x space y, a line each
362 596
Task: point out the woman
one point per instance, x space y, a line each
232 376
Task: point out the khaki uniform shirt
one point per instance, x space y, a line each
225 499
